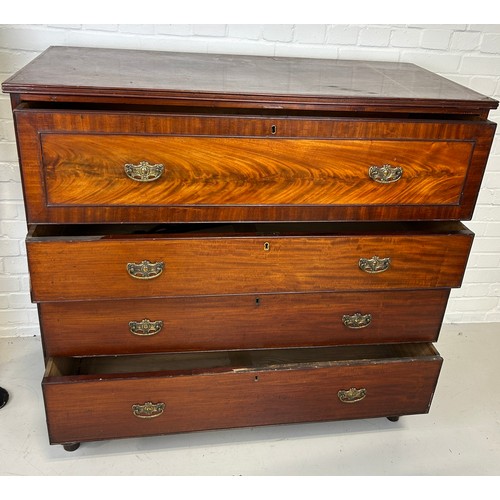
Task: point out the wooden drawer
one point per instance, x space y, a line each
331 257
227 322
101 398
86 167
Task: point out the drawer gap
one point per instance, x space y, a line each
176 364
112 231
39 102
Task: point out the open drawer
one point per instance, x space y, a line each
108 397
111 166
92 262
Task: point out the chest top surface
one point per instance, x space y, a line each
253 80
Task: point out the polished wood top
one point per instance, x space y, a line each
256 81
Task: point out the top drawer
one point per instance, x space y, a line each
114 167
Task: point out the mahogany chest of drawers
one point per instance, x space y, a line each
220 241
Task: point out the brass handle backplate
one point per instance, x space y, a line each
356 320
385 174
145 327
144 172
148 410
145 270
352 395
374 265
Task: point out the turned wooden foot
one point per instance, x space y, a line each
71 446
393 419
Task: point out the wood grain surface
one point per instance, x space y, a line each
241 321
89 170
88 268
93 74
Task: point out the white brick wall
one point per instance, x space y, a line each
467 54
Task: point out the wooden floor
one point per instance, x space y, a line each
460 436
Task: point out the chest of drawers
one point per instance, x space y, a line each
225 241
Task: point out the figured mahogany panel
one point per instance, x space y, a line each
221 168
241 322
81 268
91 407
90 170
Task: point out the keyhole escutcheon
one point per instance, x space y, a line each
267 246
273 129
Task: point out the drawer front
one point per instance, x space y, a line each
92 170
79 409
240 322
96 167
107 268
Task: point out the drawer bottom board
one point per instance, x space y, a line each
103 398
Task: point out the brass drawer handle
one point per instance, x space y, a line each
375 264
145 270
353 395
148 410
385 174
144 172
357 320
145 327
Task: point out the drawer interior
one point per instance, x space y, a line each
178 364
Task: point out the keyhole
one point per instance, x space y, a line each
273 129
267 246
